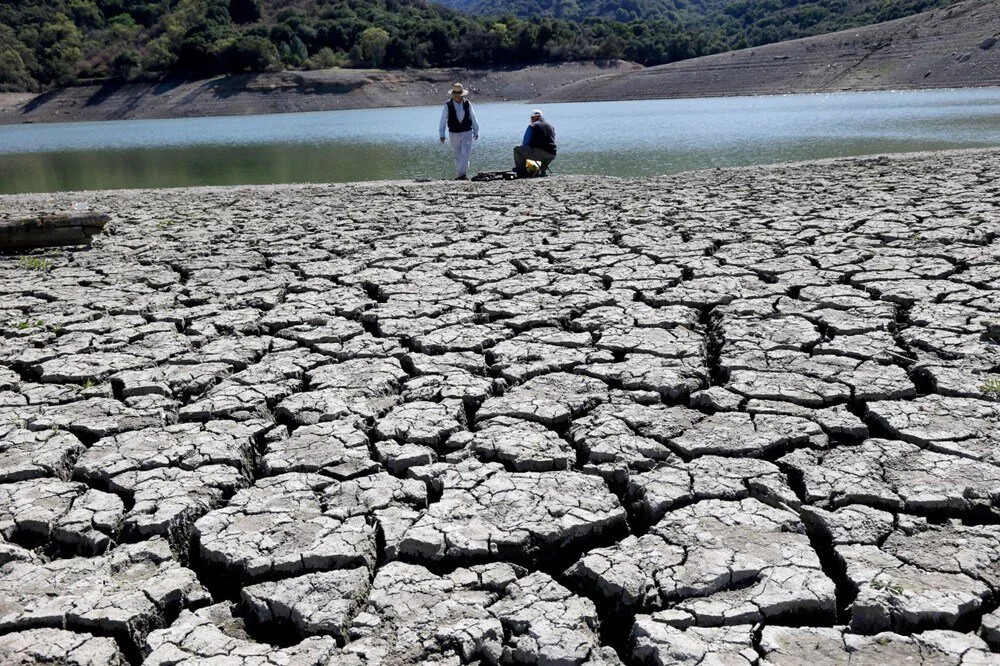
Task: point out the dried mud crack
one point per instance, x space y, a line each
740 417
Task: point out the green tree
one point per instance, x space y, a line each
326 58
14 74
399 53
122 28
254 54
158 56
299 50
370 49
127 66
85 14
611 48
245 11
61 50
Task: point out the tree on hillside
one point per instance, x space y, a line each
14 74
127 66
245 11
252 54
61 50
371 46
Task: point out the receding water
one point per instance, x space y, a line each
624 138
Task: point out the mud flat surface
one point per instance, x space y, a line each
741 416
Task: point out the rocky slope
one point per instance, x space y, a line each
743 417
953 47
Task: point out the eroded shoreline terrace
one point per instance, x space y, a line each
747 415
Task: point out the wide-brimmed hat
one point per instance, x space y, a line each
459 89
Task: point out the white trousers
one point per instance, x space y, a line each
461 148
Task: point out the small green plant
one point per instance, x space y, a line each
35 263
991 386
89 383
894 589
28 323
165 224
916 237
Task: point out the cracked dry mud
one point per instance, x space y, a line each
726 417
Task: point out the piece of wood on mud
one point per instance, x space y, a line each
49 230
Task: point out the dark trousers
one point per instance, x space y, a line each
522 153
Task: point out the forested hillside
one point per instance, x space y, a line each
60 42
749 22
49 43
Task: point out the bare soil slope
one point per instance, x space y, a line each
952 47
283 92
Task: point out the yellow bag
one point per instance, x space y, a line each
532 167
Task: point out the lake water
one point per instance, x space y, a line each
624 138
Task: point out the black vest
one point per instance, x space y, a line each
543 136
453 124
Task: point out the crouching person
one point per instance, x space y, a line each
538 144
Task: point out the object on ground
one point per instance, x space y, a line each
533 169
494 175
512 174
49 230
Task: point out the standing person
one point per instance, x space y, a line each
463 128
539 143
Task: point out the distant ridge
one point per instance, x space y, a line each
950 47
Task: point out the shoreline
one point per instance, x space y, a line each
65 195
11 103
333 399
7 108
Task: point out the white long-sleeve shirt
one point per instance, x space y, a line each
460 114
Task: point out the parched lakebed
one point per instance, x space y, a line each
745 416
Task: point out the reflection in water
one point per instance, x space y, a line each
189 167
233 165
650 138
